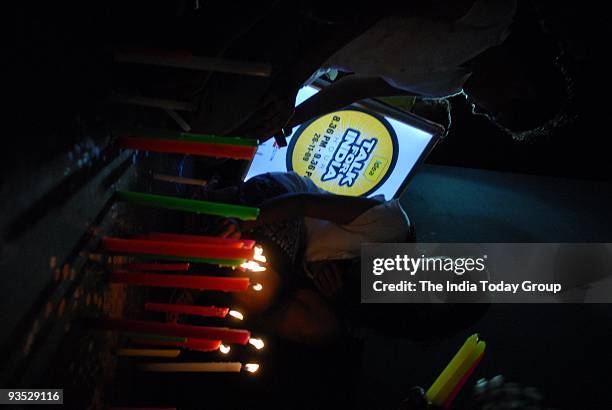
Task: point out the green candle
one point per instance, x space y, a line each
184 136
245 213
193 259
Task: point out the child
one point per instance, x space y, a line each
313 241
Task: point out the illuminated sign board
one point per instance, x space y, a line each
354 151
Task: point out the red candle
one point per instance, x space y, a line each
201 345
188 309
200 250
157 267
189 147
224 284
159 342
225 334
200 239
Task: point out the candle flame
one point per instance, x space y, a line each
253 266
258 343
236 314
251 367
259 256
257 287
224 349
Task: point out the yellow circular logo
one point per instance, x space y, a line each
347 152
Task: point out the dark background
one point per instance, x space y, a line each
60 73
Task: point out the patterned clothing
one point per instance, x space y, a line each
284 241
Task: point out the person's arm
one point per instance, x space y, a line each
346 91
339 209
276 107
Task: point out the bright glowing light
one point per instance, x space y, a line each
257 287
253 266
259 256
251 367
236 314
224 349
258 343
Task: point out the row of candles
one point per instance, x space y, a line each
186 249
197 338
223 252
191 144
205 338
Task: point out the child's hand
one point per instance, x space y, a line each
233 229
229 228
275 113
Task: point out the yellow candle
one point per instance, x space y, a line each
217 367
149 352
456 369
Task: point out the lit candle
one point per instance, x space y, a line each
252 266
181 249
213 261
449 382
245 213
202 239
149 352
201 345
237 315
257 343
225 284
216 367
226 335
169 267
259 256
188 309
